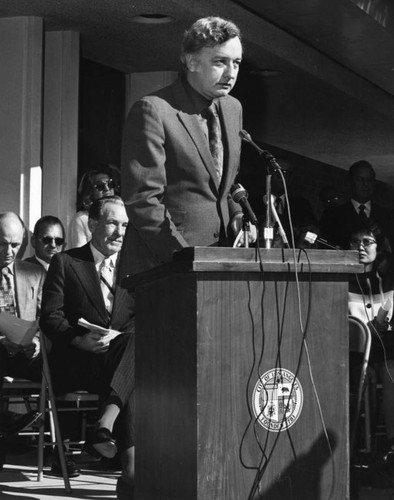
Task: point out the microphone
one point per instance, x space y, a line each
313 238
245 136
240 195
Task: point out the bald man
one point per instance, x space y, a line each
20 295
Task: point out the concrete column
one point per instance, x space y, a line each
60 127
21 50
140 84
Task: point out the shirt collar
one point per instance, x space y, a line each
44 264
356 204
11 267
98 257
199 102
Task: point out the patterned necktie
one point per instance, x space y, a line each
215 139
106 282
7 302
362 214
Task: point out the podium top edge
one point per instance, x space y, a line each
278 255
249 260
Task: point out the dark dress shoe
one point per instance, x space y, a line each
72 469
12 423
124 490
101 443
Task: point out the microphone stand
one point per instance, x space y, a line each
272 165
245 230
268 230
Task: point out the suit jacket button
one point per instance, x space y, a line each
216 234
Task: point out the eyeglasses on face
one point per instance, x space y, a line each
104 185
365 242
48 240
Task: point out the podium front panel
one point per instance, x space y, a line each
242 387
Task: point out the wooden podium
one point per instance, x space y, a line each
242 375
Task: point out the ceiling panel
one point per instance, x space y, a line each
322 69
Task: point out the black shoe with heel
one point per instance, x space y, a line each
101 443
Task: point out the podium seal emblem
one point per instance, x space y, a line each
277 400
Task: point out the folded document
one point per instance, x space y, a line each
17 330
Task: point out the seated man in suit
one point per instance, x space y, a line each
20 295
47 240
81 284
339 222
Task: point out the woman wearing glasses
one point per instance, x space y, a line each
97 183
371 300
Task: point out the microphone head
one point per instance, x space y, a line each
245 136
310 237
238 192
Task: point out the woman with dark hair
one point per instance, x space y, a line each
372 289
371 300
103 180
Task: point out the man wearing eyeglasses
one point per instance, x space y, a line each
47 240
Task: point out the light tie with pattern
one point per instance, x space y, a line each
106 279
215 140
7 302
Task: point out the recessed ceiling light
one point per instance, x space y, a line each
153 19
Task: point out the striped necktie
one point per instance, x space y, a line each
106 281
7 302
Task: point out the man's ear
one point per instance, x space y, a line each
33 241
92 223
191 62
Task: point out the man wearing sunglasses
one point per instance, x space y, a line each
47 240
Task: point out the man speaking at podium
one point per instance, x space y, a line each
181 153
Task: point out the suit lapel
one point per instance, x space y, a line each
230 135
196 133
86 273
193 127
120 297
20 289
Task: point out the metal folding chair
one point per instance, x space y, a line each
360 341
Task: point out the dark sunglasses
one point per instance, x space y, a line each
104 185
47 240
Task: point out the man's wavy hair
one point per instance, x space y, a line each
207 32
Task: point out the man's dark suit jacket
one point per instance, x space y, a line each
72 291
169 183
338 223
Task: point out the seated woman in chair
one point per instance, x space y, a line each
371 300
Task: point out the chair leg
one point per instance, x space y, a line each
41 443
58 437
367 413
